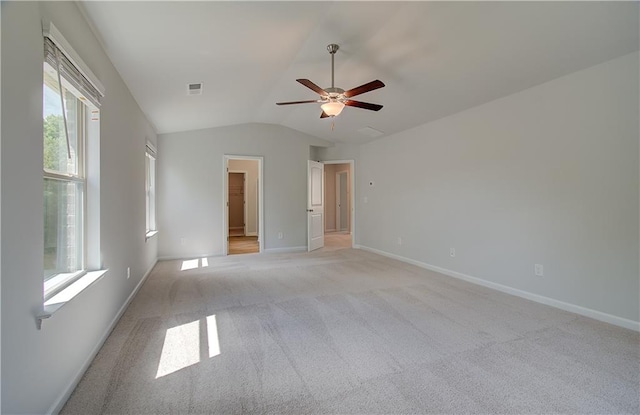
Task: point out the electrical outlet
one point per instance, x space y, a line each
183 241
128 272
538 269
280 235
452 252
399 240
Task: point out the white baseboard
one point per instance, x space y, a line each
186 257
285 250
587 312
329 230
59 404
251 234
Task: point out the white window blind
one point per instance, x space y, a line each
150 148
70 73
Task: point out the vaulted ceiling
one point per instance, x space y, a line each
436 58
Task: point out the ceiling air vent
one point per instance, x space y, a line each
194 89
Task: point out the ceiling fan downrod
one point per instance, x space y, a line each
332 48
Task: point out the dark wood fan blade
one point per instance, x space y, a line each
323 115
312 86
364 88
296 102
365 105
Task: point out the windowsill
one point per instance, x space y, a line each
55 303
57 283
150 234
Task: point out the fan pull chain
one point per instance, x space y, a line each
333 123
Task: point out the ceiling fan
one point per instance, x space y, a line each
335 99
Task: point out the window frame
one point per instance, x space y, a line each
150 182
55 283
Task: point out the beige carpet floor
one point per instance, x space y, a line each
347 331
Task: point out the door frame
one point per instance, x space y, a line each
352 196
225 199
339 201
313 243
245 209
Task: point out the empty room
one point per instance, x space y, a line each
343 207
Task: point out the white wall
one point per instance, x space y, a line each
0 215
190 186
250 192
314 152
548 175
338 151
40 366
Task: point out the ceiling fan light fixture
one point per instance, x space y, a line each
332 108
335 99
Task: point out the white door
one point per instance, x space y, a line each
315 206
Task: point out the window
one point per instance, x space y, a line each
69 104
64 180
150 189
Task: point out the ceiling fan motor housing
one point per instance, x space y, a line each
334 93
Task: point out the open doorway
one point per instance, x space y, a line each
243 205
237 202
339 204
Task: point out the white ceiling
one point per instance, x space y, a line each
436 58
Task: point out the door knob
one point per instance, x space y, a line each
309 210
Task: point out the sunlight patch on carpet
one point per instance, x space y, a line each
188 264
181 347
212 334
